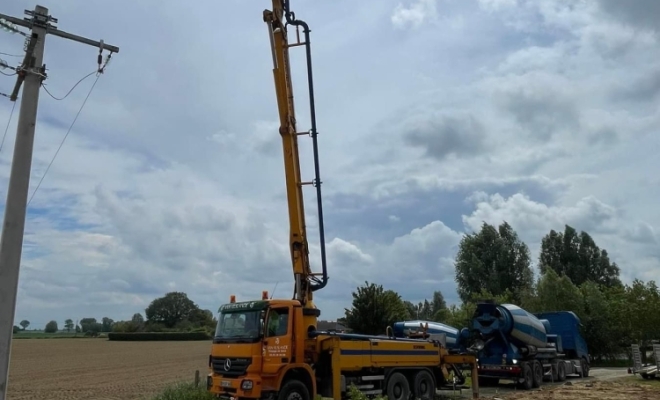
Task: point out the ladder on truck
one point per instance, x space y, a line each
645 371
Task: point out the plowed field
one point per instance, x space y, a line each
99 369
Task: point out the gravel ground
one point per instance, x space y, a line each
506 390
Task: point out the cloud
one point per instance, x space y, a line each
540 113
415 14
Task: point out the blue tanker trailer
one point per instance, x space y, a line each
419 328
513 344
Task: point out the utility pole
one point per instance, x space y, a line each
32 73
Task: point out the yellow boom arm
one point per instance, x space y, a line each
306 281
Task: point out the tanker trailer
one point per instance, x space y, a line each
446 334
512 344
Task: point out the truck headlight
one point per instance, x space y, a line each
246 384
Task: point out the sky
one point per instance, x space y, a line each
434 116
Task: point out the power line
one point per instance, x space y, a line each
8 122
65 136
71 90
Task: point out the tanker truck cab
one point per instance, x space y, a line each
251 347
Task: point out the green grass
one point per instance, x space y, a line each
184 391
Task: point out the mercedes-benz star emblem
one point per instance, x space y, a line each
227 364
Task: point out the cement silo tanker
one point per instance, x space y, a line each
510 343
417 327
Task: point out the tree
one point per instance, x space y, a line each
25 323
106 324
68 325
439 308
556 293
87 324
51 327
493 260
374 309
170 309
578 257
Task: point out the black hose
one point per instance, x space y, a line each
290 19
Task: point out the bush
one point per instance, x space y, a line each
184 391
153 336
51 327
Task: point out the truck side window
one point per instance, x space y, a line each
278 322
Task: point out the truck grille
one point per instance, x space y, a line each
237 366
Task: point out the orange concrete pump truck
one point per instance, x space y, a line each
270 348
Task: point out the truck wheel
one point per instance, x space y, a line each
561 371
538 374
293 390
424 386
527 375
584 367
397 387
554 372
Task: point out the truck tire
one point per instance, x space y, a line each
584 366
554 372
397 387
424 386
293 390
527 375
537 370
561 371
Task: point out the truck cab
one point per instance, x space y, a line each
253 348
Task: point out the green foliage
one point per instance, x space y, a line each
171 309
374 309
68 325
184 391
158 336
355 394
51 327
578 257
493 260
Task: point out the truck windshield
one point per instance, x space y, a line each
239 325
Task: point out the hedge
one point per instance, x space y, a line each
151 336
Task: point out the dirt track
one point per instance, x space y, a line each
602 384
74 369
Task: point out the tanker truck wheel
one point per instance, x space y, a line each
397 387
561 371
584 367
527 375
538 374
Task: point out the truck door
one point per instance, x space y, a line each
277 339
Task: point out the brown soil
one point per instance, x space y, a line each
99 369
598 390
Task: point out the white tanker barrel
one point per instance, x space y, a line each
401 329
511 320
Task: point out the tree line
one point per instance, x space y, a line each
574 275
174 312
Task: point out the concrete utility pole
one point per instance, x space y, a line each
32 73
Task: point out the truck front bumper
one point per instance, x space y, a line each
246 387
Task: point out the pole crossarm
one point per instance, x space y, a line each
45 22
